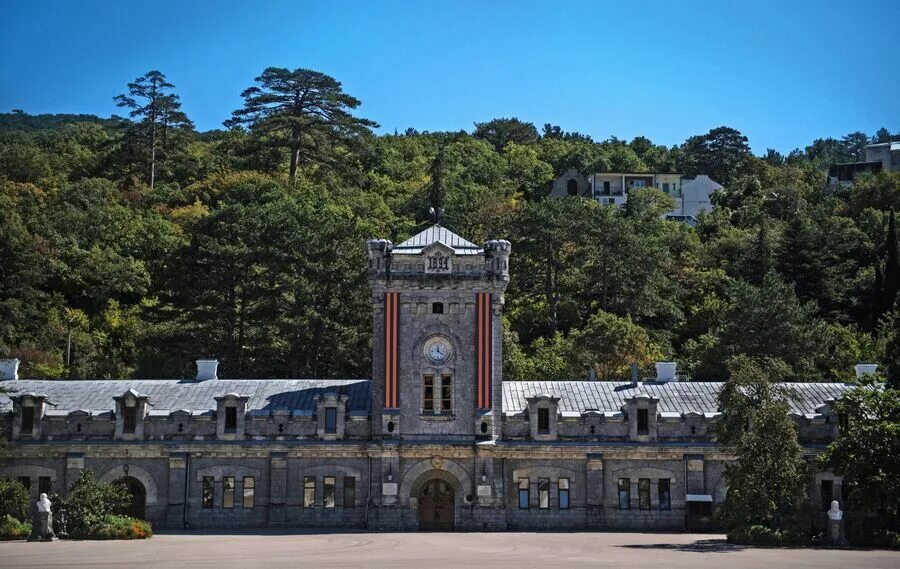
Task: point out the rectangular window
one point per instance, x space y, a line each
606 188
27 420
309 491
44 485
209 492
624 494
524 493
228 492
446 394
329 491
644 493
665 187
230 419
25 481
543 421
827 493
129 423
249 491
643 421
563 484
349 492
665 494
330 420
543 493
428 393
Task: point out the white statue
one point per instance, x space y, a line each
43 504
835 514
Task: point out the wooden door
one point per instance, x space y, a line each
436 506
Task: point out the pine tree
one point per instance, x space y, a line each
152 101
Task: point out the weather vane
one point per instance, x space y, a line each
436 214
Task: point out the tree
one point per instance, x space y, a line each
867 451
891 287
766 482
500 132
609 345
721 154
158 110
302 110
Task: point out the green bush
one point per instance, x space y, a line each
91 503
11 528
120 527
764 535
861 536
14 498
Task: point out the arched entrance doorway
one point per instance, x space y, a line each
436 506
138 497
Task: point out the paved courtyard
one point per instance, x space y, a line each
416 550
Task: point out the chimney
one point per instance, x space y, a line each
9 369
634 373
666 371
865 369
207 369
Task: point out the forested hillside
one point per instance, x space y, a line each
130 247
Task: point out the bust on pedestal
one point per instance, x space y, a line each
835 515
41 520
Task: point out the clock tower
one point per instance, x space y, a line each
437 350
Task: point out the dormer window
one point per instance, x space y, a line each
542 416
230 419
330 411
543 421
27 419
643 421
230 412
129 420
331 420
131 408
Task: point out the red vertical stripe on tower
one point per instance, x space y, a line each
483 353
391 367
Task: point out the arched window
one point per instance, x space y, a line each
572 187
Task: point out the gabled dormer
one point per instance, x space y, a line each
131 410
29 410
642 417
543 417
331 409
231 410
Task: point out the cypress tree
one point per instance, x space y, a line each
891 266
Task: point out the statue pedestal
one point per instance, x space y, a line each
41 527
834 532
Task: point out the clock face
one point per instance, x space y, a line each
438 350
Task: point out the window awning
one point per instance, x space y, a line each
698 498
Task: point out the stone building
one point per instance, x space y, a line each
435 440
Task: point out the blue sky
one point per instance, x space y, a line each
782 72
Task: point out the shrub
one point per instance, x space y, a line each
91 502
11 528
764 535
120 527
14 498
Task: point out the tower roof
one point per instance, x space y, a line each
437 234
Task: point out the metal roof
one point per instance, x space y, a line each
674 397
193 396
437 234
297 396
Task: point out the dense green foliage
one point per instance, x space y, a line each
13 528
131 247
91 503
766 482
14 498
867 452
119 527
